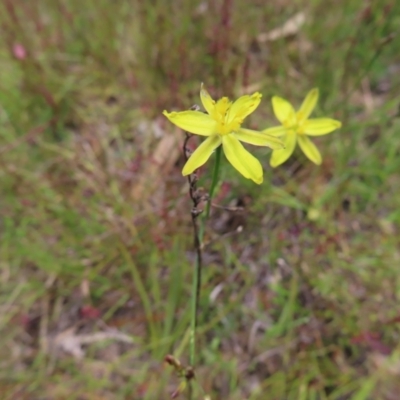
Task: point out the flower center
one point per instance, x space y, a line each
221 113
295 124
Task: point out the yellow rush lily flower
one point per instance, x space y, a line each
296 126
222 125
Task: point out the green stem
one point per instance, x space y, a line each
214 181
193 317
196 284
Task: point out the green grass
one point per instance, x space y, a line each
302 304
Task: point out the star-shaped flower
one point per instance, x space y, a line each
222 125
296 126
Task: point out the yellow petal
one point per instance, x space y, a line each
243 107
258 138
275 131
309 149
193 121
201 154
278 157
283 110
308 105
241 159
320 126
207 100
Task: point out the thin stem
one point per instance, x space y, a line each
198 233
195 212
196 285
214 180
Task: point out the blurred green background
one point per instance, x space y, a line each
96 252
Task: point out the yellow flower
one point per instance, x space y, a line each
296 126
222 125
